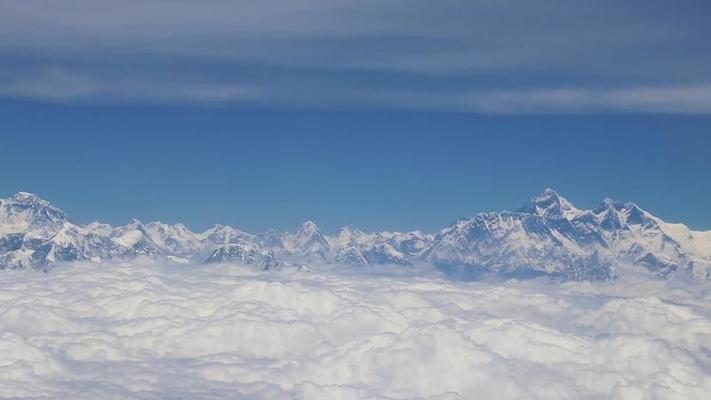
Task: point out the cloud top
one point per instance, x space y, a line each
122 331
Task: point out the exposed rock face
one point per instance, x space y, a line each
547 236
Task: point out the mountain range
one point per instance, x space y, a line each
546 236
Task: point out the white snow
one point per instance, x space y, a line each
699 242
130 331
129 238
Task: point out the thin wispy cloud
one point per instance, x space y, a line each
57 84
682 99
500 57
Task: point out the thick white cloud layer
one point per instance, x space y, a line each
206 332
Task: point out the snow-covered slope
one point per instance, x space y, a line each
307 244
547 235
25 211
244 253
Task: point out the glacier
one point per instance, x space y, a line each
547 236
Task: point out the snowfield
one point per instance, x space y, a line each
146 331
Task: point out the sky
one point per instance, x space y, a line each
384 115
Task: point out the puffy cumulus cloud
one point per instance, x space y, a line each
87 331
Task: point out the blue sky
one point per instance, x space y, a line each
390 115
260 169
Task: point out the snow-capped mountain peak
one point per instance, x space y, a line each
25 210
309 234
549 204
176 239
308 243
613 214
220 234
347 236
27 196
308 228
548 235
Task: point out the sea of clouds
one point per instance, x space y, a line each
146 331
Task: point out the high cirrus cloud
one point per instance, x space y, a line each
208 332
501 57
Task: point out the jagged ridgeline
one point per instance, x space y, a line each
547 236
